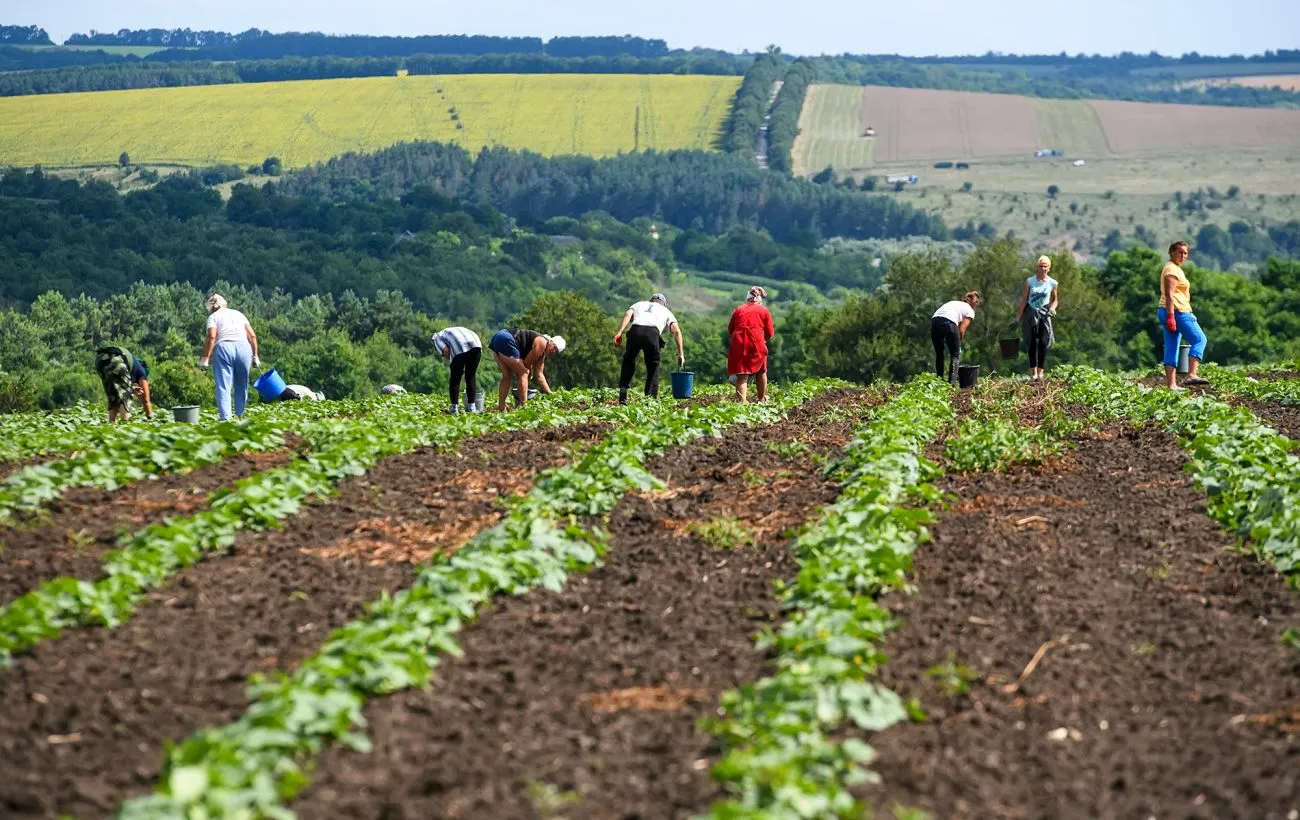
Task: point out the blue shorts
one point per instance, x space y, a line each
503 342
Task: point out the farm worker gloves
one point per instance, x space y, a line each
1171 324
203 364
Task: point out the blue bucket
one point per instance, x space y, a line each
269 385
683 384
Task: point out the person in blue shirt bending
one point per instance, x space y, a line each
1037 307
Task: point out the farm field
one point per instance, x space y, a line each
1290 82
123 51
922 125
581 585
312 120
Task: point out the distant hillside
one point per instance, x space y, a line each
311 121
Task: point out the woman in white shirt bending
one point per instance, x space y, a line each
232 338
948 329
648 320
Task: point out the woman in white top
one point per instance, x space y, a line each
232 338
648 320
948 329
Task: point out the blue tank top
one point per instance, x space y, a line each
1040 293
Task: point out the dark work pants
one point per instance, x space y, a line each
1038 347
944 335
466 364
641 338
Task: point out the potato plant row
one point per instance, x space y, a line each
1247 469
1236 381
113 455
786 756
252 766
993 437
344 447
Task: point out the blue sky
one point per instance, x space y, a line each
800 27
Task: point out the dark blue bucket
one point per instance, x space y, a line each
269 385
683 384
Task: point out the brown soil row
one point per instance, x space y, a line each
84 719
71 535
590 696
1161 687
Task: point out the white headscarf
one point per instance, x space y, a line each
216 302
756 294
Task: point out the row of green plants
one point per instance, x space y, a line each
1236 380
344 447
251 767
993 435
786 753
114 455
1249 473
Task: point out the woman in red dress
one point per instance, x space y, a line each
750 328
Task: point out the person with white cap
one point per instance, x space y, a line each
231 337
749 331
1037 307
463 349
648 320
521 354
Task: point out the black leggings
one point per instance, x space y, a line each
641 339
1038 348
466 364
944 334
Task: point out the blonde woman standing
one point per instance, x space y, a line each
1037 308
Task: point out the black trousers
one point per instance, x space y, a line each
1038 347
641 339
466 364
944 335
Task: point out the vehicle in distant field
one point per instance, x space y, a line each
909 179
1078 162
870 132
961 166
1048 152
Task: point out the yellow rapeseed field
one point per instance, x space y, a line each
312 120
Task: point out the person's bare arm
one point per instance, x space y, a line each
681 351
208 344
627 318
1170 282
1056 299
1024 302
539 373
145 398
252 340
961 329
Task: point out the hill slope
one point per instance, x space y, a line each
310 121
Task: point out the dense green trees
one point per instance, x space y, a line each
24 35
740 136
784 126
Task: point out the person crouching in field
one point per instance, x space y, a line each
1037 307
1177 320
648 320
948 329
750 329
122 375
520 354
463 348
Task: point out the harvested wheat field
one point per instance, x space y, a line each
917 124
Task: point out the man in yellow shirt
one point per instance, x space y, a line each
1177 320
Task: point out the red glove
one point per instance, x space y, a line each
618 340
1171 323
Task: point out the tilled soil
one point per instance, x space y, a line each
73 532
584 703
1122 661
1281 417
84 719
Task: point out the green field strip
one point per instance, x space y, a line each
1249 473
111 456
252 766
1072 126
786 755
830 131
150 557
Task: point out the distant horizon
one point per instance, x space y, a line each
925 28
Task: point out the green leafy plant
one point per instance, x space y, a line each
954 679
723 533
549 801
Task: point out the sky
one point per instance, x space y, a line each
913 27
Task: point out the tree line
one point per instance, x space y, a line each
159 72
784 125
25 35
690 189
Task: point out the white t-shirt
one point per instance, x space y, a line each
229 323
955 311
652 314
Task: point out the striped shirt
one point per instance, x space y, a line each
459 339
